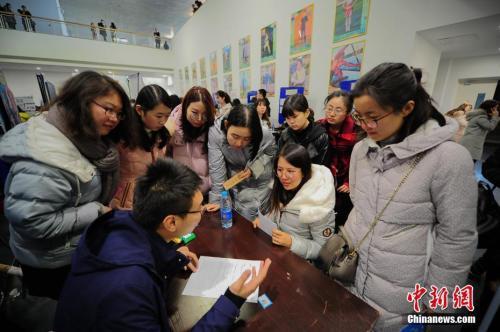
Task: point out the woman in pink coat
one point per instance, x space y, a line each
188 125
148 143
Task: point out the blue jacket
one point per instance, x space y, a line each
117 279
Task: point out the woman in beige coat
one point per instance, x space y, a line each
427 234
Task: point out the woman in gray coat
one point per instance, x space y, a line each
64 171
481 122
237 143
427 234
301 202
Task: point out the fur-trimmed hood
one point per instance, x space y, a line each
42 142
316 199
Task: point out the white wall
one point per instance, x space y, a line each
452 70
23 82
391 36
469 92
425 56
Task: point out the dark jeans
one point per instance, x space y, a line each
45 282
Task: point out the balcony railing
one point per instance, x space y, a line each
36 24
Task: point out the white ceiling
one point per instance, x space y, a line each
477 37
131 15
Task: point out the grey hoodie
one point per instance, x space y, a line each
475 133
427 234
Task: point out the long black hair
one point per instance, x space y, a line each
148 98
242 116
393 85
297 156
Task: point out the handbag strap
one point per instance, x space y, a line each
411 167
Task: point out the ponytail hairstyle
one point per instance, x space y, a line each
242 116
224 95
459 108
148 98
297 103
393 85
297 156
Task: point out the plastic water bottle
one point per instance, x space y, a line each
226 210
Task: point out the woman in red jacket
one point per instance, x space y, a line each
342 136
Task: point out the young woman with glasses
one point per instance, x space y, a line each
426 233
342 135
150 138
64 172
238 143
301 202
188 125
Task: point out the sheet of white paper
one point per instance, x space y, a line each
216 274
266 224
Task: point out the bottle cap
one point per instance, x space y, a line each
224 194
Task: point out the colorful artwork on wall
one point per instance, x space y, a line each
228 83
345 65
203 69
300 67
214 85
267 78
351 19
301 30
244 52
226 59
245 83
268 43
213 63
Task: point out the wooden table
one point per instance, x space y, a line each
303 297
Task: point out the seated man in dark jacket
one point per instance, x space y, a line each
120 268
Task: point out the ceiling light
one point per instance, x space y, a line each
76 70
38 68
164 75
110 72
